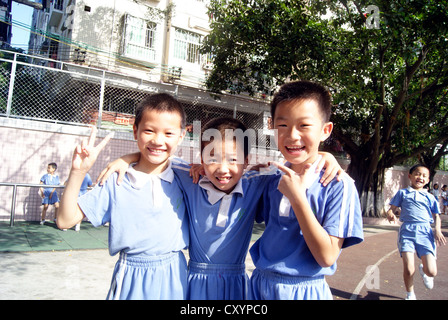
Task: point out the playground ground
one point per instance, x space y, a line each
44 263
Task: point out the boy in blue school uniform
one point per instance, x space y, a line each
419 209
49 195
222 209
307 224
148 225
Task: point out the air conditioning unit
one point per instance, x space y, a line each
207 66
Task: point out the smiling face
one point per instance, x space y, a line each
419 178
50 169
299 130
157 135
222 164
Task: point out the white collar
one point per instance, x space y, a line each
410 189
312 175
215 195
138 179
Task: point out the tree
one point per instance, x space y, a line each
389 80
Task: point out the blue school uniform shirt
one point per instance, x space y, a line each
416 206
146 213
220 224
50 180
85 184
282 248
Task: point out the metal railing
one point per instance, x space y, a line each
37 88
15 185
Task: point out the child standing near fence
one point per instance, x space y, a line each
146 213
49 195
444 197
419 209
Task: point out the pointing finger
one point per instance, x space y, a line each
283 168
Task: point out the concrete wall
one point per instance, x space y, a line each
28 146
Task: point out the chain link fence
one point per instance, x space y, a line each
32 88
46 106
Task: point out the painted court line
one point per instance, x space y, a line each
368 274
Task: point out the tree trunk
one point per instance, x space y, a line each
369 184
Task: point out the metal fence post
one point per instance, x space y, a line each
100 109
13 205
11 85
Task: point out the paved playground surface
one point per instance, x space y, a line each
44 263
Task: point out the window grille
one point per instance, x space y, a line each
187 45
140 39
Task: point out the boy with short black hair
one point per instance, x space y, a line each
49 195
419 209
146 213
307 224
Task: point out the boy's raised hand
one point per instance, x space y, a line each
293 182
119 165
332 168
196 171
86 153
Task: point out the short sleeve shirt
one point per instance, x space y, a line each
220 224
416 206
282 247
50 180
146 213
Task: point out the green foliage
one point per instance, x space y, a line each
389 83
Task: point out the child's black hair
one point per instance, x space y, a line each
304 90
414 167
161 102
54 165
224 123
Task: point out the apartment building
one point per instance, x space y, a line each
158 40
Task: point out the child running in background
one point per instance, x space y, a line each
419 209
148 225
444 197
49 195
222 208
307 224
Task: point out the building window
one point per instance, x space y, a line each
58 4
186 46
140 39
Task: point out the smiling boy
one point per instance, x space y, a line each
307 224
418 210
146 213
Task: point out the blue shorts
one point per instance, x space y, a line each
208 281
46 199
162 277
416 237
267 285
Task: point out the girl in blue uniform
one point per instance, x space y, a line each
222 209
306 224
146 213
